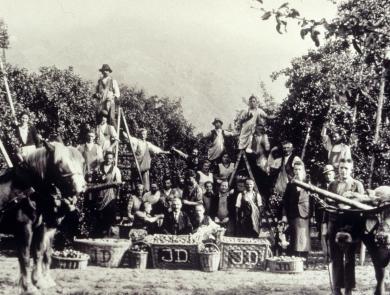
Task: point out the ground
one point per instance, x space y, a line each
121 281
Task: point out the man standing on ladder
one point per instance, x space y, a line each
143 150
107 92
248 120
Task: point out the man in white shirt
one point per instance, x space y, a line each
248 121
217 140
107 137
143 150
153 196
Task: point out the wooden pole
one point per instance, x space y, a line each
5 154
131 147
307 137
331 195
117 131
7 89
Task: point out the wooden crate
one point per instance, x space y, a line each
174 252
244 253
104 252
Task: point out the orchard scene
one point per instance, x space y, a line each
341 84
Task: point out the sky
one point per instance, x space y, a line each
209 53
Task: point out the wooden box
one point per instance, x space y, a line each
244 253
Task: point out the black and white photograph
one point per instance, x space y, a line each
194 147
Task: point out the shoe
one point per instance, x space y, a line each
348 292
337 291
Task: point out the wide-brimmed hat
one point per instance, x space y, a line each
105 67
327 169
217 120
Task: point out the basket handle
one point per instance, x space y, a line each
212 245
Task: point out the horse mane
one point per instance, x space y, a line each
67 154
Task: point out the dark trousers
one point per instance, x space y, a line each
342 259
105 218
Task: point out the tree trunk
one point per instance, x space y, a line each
378 124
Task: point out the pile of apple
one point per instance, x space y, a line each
70 253
286 258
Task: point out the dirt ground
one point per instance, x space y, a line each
121 281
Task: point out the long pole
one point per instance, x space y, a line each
131 147
331 195
307 137
7 89
117 131
5 154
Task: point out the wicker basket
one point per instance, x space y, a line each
104 252
138 259
291 266
70 263
209 261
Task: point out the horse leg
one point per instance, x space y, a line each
23 236
380 258
48 241
38 247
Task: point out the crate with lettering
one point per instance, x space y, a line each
244 253
174 252
285 264
104 252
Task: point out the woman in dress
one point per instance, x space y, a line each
296 211
248 207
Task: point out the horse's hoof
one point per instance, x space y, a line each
31 290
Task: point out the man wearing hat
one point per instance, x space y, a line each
216 139
107 91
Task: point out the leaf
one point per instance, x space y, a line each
356 46
278 26
314 36
266 15
260 1
304 32
283 5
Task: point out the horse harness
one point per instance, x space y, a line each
377 220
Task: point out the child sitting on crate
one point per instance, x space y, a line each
145 220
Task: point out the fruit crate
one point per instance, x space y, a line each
104 252
244 253
174 252
285 264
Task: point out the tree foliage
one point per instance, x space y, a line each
60 103
339 83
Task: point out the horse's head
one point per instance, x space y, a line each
61 165
66 166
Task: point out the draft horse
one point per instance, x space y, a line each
372 227
32 202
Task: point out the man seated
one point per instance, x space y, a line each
177 222
145 220
204 226
153 196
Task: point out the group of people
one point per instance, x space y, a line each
211 192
